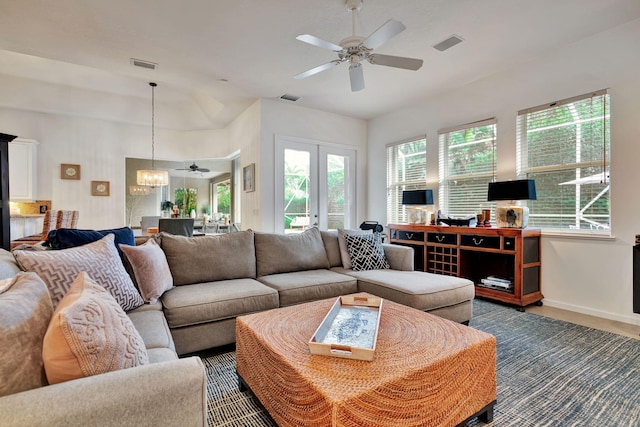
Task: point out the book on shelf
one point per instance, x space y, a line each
499 279
495 284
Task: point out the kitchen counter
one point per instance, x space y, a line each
25 225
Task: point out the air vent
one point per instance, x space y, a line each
288 97
144 64
448 43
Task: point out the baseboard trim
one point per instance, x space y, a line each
632 319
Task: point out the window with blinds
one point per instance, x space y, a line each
565 147
406 170
467 164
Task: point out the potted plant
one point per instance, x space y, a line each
206 211
165 207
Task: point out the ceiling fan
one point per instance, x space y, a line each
355 49
193 168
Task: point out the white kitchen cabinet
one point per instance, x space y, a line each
23 168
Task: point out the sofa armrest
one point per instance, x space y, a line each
399 257
165 393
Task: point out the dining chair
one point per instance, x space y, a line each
53 219
177 226
148 221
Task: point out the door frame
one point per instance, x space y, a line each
322 149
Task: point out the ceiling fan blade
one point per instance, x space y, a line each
202 170
356 76
317 69
396 61
386 32
308 38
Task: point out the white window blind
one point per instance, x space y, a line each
406 170
565 147
467 164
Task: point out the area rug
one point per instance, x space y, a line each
550 373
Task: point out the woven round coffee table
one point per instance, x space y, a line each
427 371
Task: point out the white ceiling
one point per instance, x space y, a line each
73 57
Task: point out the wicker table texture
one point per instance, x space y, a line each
427 371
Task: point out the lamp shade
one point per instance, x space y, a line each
521 189
417 197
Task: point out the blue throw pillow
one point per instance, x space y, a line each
64 238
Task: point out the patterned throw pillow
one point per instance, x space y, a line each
344 253
150 269
100 259
90 334
366 252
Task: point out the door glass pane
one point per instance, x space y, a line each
297 165
336 189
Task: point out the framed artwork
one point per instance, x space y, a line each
68 171
99 188
248 179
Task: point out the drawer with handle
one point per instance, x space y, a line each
475 241
443 238
410 235
509 244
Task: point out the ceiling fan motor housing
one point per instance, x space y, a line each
353 5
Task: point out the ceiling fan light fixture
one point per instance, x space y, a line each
151 177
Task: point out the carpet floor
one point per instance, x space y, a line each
549 372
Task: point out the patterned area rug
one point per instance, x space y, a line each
550 373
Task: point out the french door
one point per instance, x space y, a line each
315 185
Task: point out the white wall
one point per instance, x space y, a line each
279 118
100 148
582 274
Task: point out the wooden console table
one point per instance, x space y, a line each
477 253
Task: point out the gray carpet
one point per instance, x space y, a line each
550 373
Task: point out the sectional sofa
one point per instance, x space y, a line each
210 280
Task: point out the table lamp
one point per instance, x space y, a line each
418 200
512 215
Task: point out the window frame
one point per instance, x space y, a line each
445 178
396 212
524 171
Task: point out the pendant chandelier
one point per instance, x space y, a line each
152 177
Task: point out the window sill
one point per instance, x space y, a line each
584 236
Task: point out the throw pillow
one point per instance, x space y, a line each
366 252
25 312
90 334
344 253
100 259
65 238
150 269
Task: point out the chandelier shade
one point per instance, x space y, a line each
152 177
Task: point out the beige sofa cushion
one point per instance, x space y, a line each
25 311
211 302
417 289
150 269
90 334
210 258
59 268
282 253
310 285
